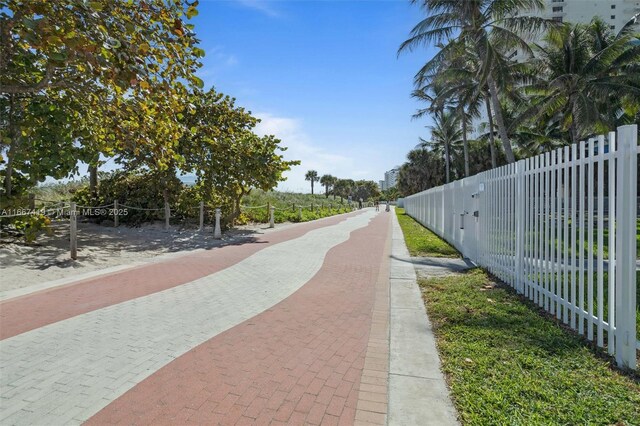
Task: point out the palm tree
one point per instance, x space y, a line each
312 176
486 27
446 136
327 181
590 78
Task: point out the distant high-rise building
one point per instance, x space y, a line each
391 177
381 184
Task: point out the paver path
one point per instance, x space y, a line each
255 333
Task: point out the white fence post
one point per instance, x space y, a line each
217 233
541 230
520 219
73 231
626 247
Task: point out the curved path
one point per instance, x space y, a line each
279 329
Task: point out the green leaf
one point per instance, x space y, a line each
198 82
191 12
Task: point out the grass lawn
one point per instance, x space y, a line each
508 364
422 242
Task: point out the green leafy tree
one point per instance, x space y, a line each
423 170
365 190
120 68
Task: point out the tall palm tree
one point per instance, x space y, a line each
590 77
488 28
312 176
446 136
327 181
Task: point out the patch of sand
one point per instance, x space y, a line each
101 247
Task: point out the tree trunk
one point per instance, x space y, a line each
502 129
311 186
93 181
13 135
492 142
447 161
465 144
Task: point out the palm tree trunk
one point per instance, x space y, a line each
465 143
311 186
447 161
492 142
502 129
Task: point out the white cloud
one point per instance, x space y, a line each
262 6
301 147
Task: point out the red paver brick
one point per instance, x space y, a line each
316 414
335 308
31 311
336 405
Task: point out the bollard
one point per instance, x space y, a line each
272 210
115 214
216 232
201 228
167 214
73 242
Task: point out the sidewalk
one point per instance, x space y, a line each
242 334
312 324
418 393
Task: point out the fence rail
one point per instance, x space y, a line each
560 228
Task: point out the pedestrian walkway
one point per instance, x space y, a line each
418 394
291 327
242 333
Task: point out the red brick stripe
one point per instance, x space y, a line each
35 310
298 362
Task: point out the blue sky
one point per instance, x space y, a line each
322 75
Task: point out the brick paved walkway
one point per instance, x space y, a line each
248 334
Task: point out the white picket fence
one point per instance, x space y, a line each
541 226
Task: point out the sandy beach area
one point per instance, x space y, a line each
102 247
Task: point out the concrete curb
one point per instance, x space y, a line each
418 393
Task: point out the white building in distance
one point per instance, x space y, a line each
390 178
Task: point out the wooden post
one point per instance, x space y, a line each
167 214
73 242
115 213
271 216
201 228
217 233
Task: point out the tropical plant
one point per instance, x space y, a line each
489 28
446 137
327 181
423 170
312 176
589 78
